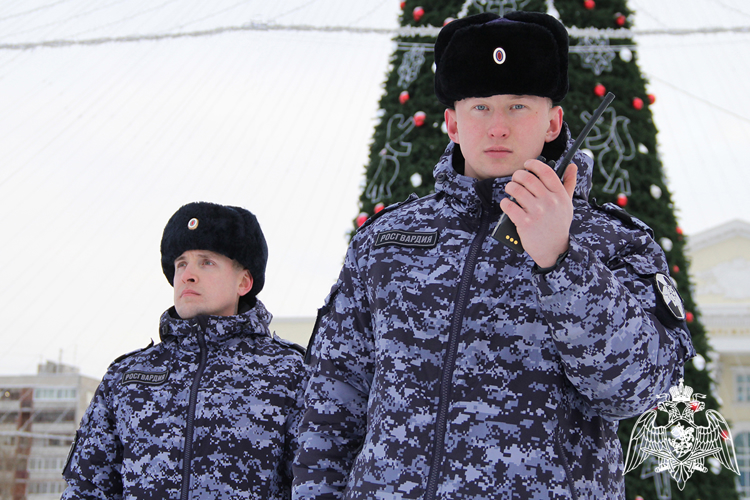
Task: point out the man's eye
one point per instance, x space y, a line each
208 262
180 264
518 106
481 107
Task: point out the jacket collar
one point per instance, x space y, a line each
217 329
449 178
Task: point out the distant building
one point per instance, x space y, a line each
297 330
720 271
39 415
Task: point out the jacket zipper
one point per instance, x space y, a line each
187 456
566 467
446 387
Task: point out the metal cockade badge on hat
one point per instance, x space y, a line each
193 223
499 55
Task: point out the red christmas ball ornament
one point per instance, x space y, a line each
675 269
361 218
403 97
589 4
403 4
622 200
620 19
638 103
417 13
419 118
678 230
448 20
600 90
651 98
638 497
380 206
689 317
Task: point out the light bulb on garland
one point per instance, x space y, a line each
600 90
419 118
403 97
699 362
417 13
416 180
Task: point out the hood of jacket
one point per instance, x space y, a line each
216 329
449 178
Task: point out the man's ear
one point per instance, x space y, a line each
451 124
246 283
555 123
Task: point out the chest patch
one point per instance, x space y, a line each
407 239
670 296
147 378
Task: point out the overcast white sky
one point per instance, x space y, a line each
100 143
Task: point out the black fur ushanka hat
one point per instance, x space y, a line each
522 53
231 231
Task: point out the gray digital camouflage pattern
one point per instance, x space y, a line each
444 368
225 385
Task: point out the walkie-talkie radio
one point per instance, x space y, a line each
505 232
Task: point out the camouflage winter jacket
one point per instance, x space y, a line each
445 367
225 385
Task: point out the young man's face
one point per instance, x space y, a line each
498 134
209 283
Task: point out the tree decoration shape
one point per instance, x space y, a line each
610 135
596 54
396 147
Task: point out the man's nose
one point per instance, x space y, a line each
498 126
188 275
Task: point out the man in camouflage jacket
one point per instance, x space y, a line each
212 411
447 366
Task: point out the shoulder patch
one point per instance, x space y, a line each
288 343
146 378
127 355
415 239
412 197
669 295
71 452
620 214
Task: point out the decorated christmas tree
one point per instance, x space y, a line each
410 138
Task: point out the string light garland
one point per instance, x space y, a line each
404 32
